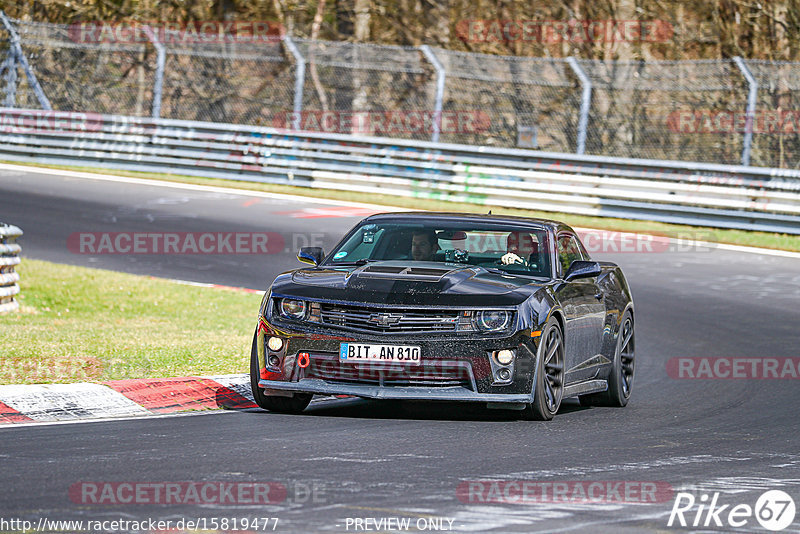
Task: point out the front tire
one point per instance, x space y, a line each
549 386
291 405
620 380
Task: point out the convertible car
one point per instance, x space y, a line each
507 311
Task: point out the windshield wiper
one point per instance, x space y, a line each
495 270
358 263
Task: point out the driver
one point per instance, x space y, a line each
519 248
424 245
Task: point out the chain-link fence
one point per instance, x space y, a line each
665 109
530 102
779 98
240 83
353 88
102 78
721 111
8 72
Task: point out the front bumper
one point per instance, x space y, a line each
454 367
453 393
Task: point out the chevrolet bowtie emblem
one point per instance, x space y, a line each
385 319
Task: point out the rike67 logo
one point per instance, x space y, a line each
774 510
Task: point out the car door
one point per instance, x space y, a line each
582 302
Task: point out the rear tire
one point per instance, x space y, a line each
549 386
620 380
291 405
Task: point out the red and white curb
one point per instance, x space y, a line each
146 397
122 398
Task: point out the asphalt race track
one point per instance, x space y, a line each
350 459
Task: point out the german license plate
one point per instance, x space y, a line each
362 352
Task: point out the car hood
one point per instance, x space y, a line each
420 283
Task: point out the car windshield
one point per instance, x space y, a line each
510 248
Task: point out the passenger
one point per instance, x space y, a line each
424 245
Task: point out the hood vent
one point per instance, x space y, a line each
404 273
384 269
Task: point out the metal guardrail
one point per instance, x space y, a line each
699 194
9 259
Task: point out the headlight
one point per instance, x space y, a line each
294 309
490 321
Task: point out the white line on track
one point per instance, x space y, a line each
192 187
29 424
317 401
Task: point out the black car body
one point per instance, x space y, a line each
371 321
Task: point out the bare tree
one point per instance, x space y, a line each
312 65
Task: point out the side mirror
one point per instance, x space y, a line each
582 269
311 255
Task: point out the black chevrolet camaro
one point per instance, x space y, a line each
507 311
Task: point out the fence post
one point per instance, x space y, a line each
17 47
8 68
158 83
586 102
439 99
751 108
299 80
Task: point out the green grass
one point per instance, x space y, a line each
735 237
79 324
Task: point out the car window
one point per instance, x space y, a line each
505 247
569 250
361 245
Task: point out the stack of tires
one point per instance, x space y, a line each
9 259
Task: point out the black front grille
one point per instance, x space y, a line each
437 373
383 320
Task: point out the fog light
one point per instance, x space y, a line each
504 357
274 361
504 374
275 343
